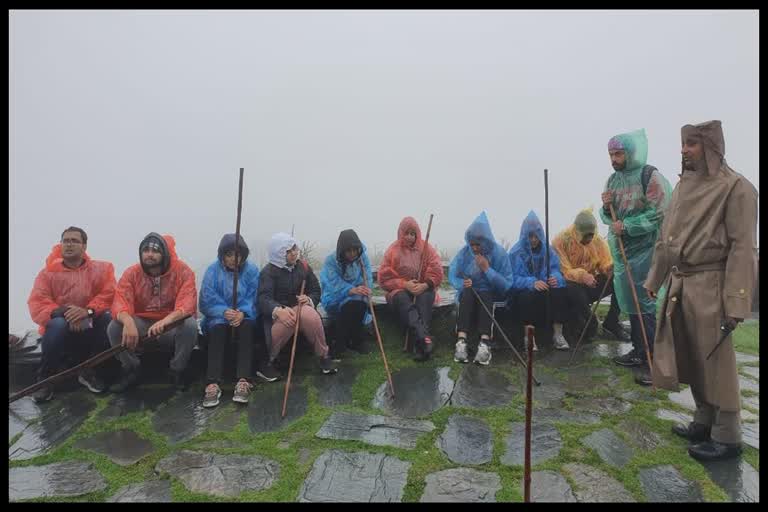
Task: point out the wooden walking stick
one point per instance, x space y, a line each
378 334
418 276
293 346
592 313
634 297
528 415
88 363
237 249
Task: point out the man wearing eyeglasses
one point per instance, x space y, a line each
150 295
70 301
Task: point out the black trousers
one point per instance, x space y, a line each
219 335
471 312
649 321
349 324
530 306
416 317
582 296
61 346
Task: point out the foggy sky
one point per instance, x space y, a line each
126 122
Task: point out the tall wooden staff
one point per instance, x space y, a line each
528 415
295 336
376 328
237 248
418 275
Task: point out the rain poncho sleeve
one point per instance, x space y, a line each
529 266
335 286
646 219
216 292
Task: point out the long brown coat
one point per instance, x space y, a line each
711 222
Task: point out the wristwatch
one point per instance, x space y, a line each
90 312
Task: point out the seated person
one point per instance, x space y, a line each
150 295
586 264
222 323
279 300
528 297
344 294
70 301
398 277
481 265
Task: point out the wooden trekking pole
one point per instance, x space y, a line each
376 328
418 276
591 314
237 249
634 297
88 363
293 346
528 415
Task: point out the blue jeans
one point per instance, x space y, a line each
649 320
59 343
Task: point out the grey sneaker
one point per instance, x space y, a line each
631 358
483 355
91 381
327 366
242 391
212 395
560 342
460 355
268 373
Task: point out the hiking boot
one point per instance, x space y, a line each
615 330
560 342
694 432
327 366
128 379
714 450
460 355
243 390
643 376
268 373
483 355
212 395
43 394
631 358
91 381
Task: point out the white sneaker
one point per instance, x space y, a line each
460 356
560 342
483 355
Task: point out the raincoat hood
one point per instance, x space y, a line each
711 135
635 145
347 239
55 261
480 231
408 224
167 248
531 224
228 243
585 223
278 246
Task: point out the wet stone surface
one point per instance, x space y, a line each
545 443
418 392
466 440
220 475
741 357
551 392
593 485
609 405
684 399
219 444
361 477
752 371
265 407
465 485
736 477
123 447
61 479
137 399
640 436
227 417
336 389
565 416
375 429
748 384
153 491
750 434
584 379
679 417
607 350
479 387
59 419
638 396
183 418
753 402
549 487
666 484
609 446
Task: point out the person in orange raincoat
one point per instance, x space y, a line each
150 295
398 277
70 302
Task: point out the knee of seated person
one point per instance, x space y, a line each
56 326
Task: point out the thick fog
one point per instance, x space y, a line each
126 122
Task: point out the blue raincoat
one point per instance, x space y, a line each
217 287
497 279
335 286
529 266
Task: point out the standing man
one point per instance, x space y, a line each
639 195
149 296
706 259
70 301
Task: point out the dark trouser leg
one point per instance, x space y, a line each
217 339
612 318
128 360
424 303
95 340
349 328
649 319
184 338
484 321
467 307
54 345
532 307
245 349
409 314
559 305
579 301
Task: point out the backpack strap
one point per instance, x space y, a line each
645 178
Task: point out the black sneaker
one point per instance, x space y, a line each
615 330
128 379
713 450
631 358
91 381
43 394
643 376
327 366
268 373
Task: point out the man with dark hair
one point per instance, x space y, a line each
70 301
149 296
706 260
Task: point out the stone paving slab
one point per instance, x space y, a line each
418 392
666 484
549 487
741 357
152 491
137 399
609 446
550 415
479 387
374 429
265 407
611 405
466 440
123 447
336 389
639 435
748 384
752 371
595 486
545 443
736 477
464 485
60 479
750 434
684 398
357 477
183 418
